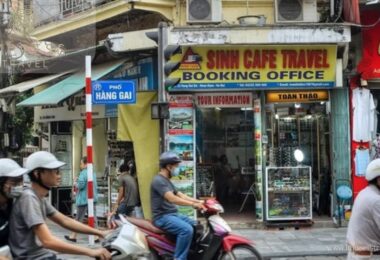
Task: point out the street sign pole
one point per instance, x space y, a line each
90 186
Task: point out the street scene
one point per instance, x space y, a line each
189 129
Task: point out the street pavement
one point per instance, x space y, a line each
301 244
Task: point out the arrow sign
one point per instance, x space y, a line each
113 92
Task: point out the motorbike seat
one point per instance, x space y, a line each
145 224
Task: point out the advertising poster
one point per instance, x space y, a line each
181 115
180 139
258 156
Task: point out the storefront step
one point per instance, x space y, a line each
316 223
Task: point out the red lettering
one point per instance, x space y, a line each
247 59
318 59
210 59
301 59
256 60
284 58
272 59
310 58
235 60
292 59
325 64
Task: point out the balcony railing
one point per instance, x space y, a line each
47 11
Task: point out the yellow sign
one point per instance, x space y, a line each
297 96
256 67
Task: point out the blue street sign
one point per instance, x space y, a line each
113 92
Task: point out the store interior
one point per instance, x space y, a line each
303 192
225 159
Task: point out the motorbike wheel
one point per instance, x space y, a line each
241 252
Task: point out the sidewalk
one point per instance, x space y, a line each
306 243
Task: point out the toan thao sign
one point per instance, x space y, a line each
113 92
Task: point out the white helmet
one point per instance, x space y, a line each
42 159
10 168
373 170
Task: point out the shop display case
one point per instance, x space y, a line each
288 193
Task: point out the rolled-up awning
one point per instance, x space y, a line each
69 86
27 85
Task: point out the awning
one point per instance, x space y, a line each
69 86
27 85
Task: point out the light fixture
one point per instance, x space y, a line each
276 116
323 102
297 105
298 155
246 109
372 2
218 108
160 110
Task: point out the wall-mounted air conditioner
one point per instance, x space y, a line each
292 11
204 11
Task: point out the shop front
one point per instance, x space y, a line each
60 122
241 114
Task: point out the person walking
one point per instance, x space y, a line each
363 233
165 197
30 237
11 186
81 198
128 199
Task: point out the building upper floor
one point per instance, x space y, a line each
50 18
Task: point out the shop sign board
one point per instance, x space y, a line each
255 67
223 100
297 96
73 108
113 92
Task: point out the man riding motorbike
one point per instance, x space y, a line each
11 185
30 236
165 197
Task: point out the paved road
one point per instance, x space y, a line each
302 244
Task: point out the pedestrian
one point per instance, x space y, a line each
11 186
30 236
164 200
128 200
363 234
81 198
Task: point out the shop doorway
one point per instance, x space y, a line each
303 126
225 159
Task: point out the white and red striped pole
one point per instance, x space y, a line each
90 186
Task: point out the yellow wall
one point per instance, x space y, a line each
173 10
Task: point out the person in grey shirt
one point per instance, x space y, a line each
128 200
165 197
30 237
363 233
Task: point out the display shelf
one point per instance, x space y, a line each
288 193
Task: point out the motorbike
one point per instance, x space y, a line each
212 242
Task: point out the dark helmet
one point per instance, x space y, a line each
169 158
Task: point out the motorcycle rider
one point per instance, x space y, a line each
165 197
11 185
30 236
363 233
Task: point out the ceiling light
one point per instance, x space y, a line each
372 2
218 108
297 105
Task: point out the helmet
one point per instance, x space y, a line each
169 158
42 159
373 170
10 168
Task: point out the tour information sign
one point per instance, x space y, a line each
113 92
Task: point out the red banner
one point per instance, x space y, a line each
351 11
369 66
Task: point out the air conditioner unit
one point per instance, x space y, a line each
204 11
291 11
